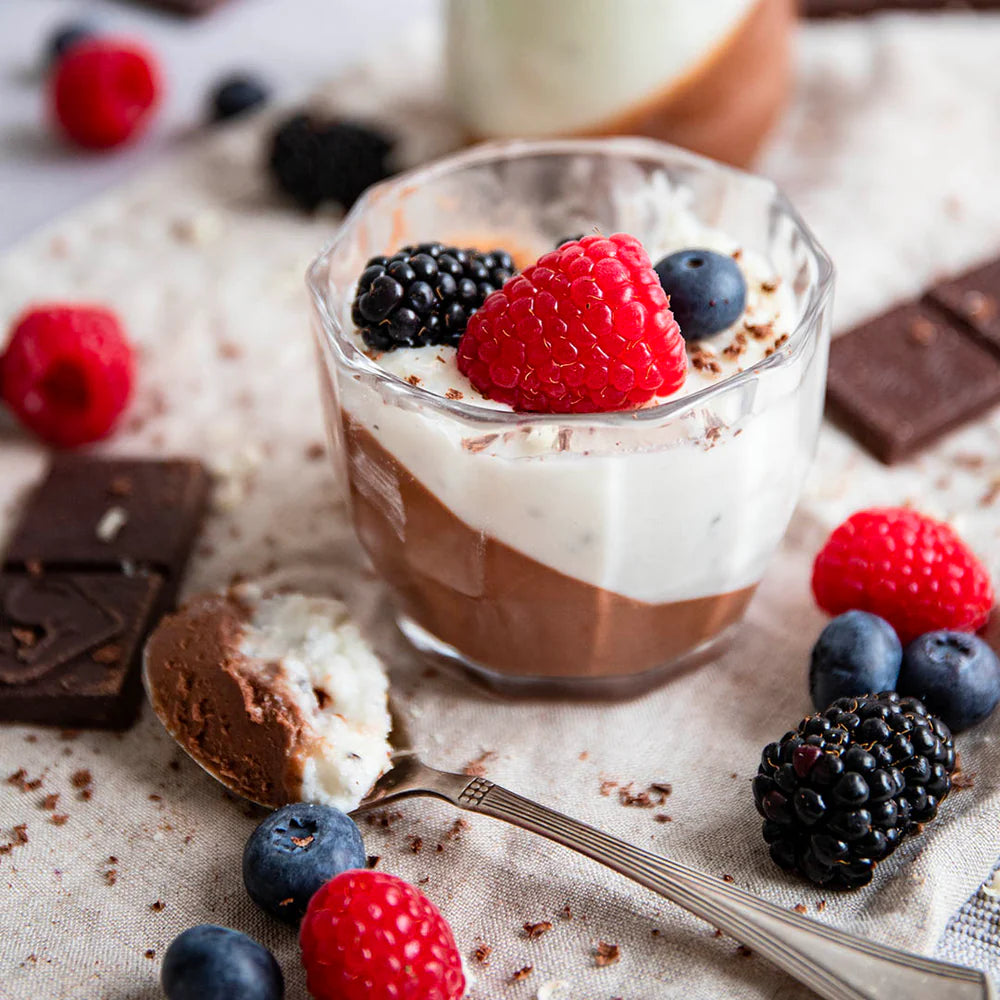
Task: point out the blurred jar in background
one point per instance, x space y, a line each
711 75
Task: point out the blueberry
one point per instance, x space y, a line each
236 95
293 852
857 653
707 290
955 674
65 37
216 963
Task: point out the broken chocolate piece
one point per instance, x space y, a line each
975 298
905 378
80 518
64 678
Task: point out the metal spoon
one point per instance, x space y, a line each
836 965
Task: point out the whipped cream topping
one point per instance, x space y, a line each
320 661
767 322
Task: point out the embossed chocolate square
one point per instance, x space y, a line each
106 514
70 645
900 381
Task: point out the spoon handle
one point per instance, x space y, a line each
836 965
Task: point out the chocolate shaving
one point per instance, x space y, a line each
522 973
534 931
606 954
704 361
477 768
760 331
482 954
478 444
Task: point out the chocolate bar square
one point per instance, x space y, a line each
975 297
98 514
70 645
905 378
190 7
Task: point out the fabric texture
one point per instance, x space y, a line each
891 150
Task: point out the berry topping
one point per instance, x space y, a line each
216 963
293 852
707 291
425 294
104 92
368 935
955 674
66 36
911 570
840 792
67 373
585 329
236 95
314 161
856 653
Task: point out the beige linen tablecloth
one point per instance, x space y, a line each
892 151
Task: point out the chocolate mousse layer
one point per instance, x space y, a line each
499 607
728 103
224 710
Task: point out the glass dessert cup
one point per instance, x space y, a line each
584 553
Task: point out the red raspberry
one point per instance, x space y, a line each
587 328
368 935
103 92
67 373
909 569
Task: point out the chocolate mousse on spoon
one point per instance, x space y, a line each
244 682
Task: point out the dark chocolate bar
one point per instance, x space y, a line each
856 8
975 297
190 7
108 514
70 646
97 557
903 379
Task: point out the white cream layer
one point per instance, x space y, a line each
544 67
320 649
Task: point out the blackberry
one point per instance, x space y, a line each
313 160
841 791
425 294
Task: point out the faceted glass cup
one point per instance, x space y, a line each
586 552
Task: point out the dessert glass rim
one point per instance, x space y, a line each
347 353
